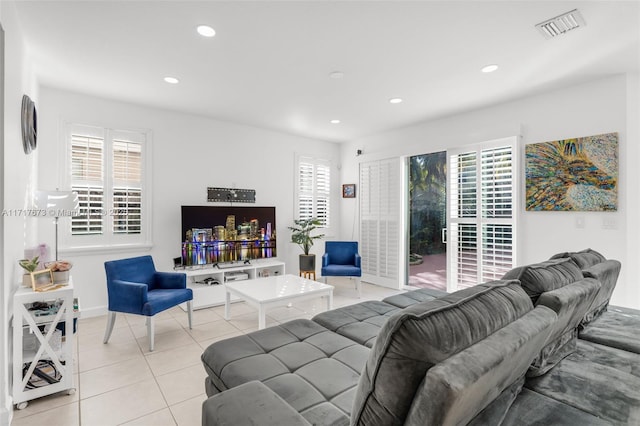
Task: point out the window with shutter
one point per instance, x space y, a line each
314 189
481 214
87 165
107 170
127 189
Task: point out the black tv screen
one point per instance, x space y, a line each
220 234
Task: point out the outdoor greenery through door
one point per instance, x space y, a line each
427 220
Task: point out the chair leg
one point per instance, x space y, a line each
359 287
190 312
150 334
111 320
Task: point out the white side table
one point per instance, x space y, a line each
25 321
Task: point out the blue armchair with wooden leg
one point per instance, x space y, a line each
135 287
341 259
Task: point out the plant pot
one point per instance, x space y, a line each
26 280
61 277
307 262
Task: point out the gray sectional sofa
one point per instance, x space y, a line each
538 347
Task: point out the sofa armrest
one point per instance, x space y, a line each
571 303
606 273
251 403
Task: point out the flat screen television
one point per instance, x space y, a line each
224 234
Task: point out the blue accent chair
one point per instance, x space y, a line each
135 287
341 259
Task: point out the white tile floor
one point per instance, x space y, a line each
122 383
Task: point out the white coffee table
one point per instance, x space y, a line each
275 291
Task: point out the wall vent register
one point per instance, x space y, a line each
561 24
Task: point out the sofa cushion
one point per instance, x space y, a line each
545 276
583 259
360 322
426 334
595 265
313 369
412 297
601 390
615 329
606 273
570 303
252 400
533 409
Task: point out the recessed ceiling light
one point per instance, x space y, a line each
171 80
336 74
206 31
489 68
395 100
335 121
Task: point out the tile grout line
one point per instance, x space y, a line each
78 387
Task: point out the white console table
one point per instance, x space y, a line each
42 346
208 294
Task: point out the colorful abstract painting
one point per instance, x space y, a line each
573 174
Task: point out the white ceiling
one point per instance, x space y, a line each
269 63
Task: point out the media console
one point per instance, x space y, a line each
207 281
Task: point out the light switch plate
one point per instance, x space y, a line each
609 223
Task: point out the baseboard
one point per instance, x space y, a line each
93 312
623 310
5 416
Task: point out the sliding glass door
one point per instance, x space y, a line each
427 221
462 207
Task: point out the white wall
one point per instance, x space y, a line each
606 105
19 173
189 154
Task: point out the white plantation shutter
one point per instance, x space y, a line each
87 179
127 187
380 221
497 211
107 170
314 190
305 189
481 215
323 193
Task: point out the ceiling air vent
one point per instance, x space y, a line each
561 24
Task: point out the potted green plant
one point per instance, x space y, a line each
29 265
301 235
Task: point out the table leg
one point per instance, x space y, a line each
261 318
227 304
330 301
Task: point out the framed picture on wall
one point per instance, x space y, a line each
349 190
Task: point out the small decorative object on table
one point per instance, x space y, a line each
42 280
349 190
60 270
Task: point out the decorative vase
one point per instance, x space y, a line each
307 262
